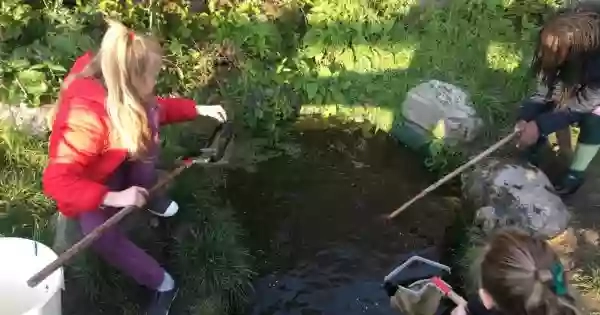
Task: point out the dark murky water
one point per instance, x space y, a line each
314 222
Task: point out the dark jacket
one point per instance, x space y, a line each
549 118
475 307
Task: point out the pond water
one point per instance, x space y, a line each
314 221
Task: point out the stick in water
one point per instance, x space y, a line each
457 171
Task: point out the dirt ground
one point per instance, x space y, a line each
579 245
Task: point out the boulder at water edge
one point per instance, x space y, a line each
509 193
436 110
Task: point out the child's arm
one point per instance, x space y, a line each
175 109
553 121
75 143
542 111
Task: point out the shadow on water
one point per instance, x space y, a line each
315 226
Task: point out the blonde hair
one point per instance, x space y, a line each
524 276
126 63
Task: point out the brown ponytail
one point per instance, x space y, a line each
524 276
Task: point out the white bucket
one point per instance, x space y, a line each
20 259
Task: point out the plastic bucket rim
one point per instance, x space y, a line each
57 275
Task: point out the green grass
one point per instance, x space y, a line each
365 60
266 61
373 55
24 210
206 257
587 280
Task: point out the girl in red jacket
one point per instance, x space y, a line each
104 145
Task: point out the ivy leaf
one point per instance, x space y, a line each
19 64
37 66
311 90
63 44
338 97
56 67
313 51
33 81
29 75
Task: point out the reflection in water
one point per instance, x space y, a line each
334 283
339 281
314 223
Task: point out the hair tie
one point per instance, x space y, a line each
558 279
544 275
131 35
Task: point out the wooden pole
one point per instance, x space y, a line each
457 171
88 239
219 141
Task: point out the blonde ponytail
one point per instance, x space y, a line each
128 61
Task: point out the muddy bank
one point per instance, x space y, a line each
314 221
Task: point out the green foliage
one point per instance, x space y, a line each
264 60
24 210
37 48
208 257
242 38
368 54
267 59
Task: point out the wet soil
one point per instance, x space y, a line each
314 221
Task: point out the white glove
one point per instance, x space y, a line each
214 111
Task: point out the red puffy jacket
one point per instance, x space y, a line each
81 155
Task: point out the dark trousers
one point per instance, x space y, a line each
589 123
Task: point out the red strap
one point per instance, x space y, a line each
188 161
440 284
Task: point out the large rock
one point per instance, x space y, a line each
31 120
436 110
509 193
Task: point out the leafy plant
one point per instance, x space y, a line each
37 48
265 61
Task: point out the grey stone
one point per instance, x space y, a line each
440 106
509 193
31 120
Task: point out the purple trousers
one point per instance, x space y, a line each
113 246
117 250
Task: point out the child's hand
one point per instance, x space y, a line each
520 125
214 111
459 310
132 196
530 134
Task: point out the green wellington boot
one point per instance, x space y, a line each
570 183
587 148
